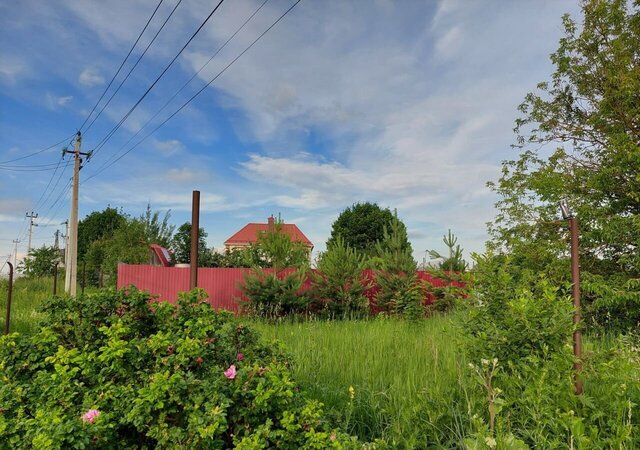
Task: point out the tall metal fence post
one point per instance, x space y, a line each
84 274
9 292
195 239
55 278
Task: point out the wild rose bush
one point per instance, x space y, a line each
113 370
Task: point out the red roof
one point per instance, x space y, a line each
250 232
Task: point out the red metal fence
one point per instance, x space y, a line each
222 285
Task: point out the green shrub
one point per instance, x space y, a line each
337 290
113 370
269 295
521 329
453 295
399 292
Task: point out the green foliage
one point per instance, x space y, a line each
158 231
128 244
98 225
181 246
590 113
337 289
156 375
614 301
520 331
271 292
271 295
39 262
239 257
453 260
400 292
517 316
279 251
362 226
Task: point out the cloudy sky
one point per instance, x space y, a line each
406 103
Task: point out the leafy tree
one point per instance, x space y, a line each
98 225
362 225
39 262
239 258
158 231
128 244
590 113
181 246
453 261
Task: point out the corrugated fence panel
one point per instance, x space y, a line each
223 285
163 282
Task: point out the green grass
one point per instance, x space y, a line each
28 295
391 364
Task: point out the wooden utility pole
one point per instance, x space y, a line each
72 260
195 239
31 225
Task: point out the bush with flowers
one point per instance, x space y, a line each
114 370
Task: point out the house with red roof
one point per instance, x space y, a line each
249 235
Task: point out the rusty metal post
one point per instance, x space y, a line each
84 273
195 238
575 279
55 278
7 317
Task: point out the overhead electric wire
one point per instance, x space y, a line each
126 116
56 183
121 65
134 65
49 183
36 152
31 166
187 82
63 191
104 167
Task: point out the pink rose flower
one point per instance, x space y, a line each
90 416
230 373
240 356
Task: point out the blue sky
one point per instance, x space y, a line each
406 103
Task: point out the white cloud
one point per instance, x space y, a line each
449 43
12 69
56 102
90 77
168 147
184 175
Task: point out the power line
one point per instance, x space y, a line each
121 65
115 128
62 193
49 183
36 152
187 83
134 66
68 163
106 166
30 166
